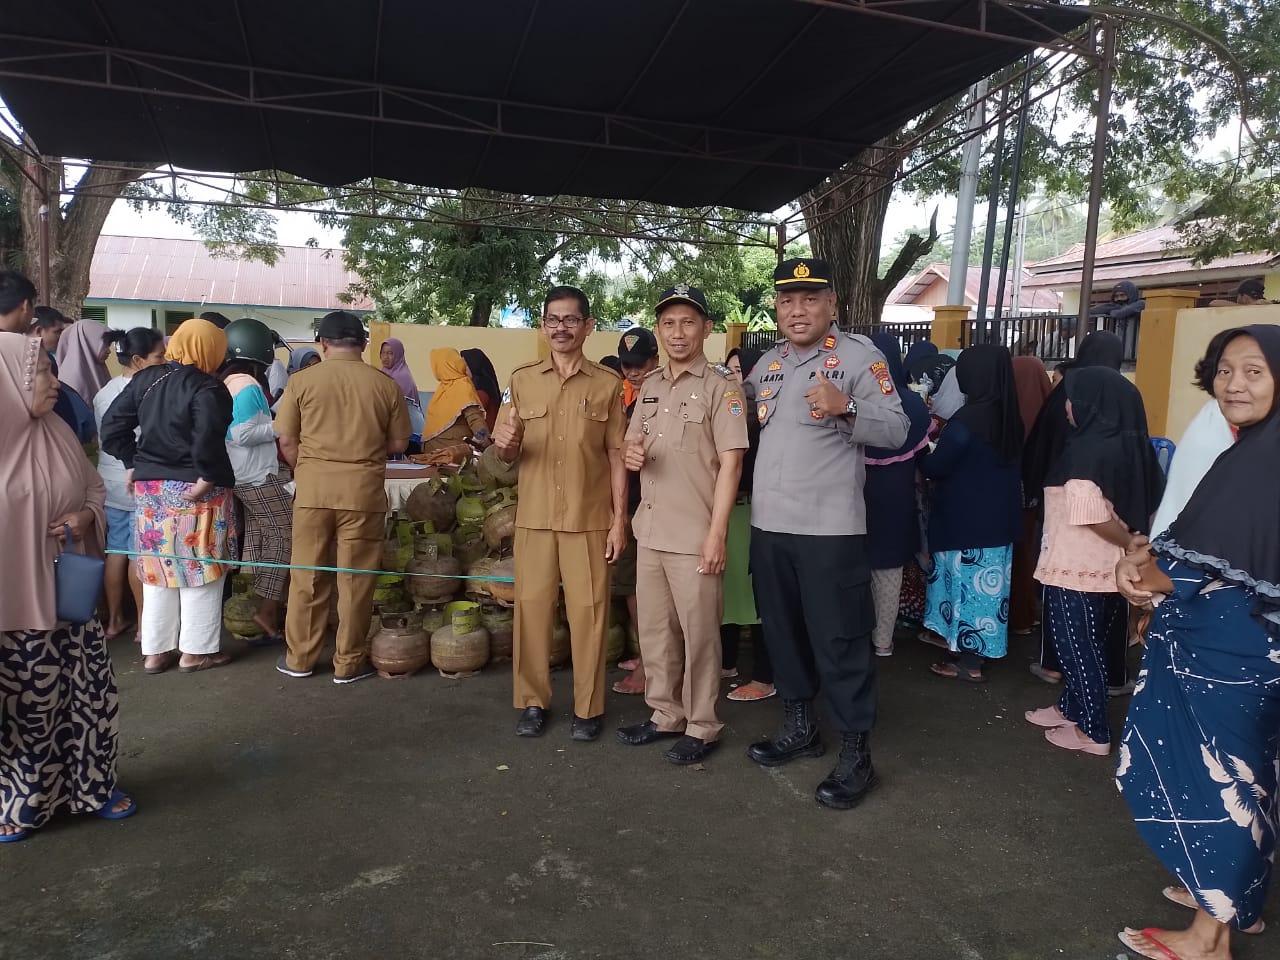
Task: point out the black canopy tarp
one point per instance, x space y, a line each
742 103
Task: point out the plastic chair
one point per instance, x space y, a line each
1165 449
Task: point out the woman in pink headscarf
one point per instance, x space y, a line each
82 357
58 699
395 367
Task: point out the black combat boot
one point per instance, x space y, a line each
853 777
798 737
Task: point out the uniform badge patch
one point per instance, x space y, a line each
832 361
506 395
762 412
735 406
830 342
774 365
766 393
630 341
880 370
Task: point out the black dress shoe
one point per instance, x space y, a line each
853 777
532 722
588 729
797 738
638 734
689 750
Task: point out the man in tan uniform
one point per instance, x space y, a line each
338 422
686 440
562 418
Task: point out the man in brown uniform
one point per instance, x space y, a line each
686 440
338 422
563 419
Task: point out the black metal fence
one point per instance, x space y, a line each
906 333
1049 337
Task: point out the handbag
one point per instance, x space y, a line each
77 581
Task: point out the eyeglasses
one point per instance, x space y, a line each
569 323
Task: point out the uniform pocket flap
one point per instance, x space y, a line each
693 414
596 412
531 411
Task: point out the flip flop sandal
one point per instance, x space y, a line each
210 661
274 640
1174 894
743 695
926 636
1164 954
169 661
622 686
16 837
961 674
108 811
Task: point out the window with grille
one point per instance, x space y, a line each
94 313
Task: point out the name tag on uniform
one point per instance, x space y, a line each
649 400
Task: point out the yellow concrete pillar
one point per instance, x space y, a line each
947 330
733 335
379 333
1156 334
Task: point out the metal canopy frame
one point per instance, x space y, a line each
632 220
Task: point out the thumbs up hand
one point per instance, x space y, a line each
825 398
508 433
633 455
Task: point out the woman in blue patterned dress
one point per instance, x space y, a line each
1198 760
975 516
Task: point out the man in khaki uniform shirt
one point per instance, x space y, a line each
686 440
338 421
563 419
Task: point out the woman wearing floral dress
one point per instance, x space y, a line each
183 480
58 729
975 515
1198 756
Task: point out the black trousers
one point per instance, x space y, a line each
813 595
731 639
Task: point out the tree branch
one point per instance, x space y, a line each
912 251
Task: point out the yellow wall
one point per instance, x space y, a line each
1194 330
506 348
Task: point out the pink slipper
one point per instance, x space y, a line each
1047 717
1072 738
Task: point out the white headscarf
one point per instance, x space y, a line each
948 398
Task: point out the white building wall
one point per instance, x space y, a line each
290 322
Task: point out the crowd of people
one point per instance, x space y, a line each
814 500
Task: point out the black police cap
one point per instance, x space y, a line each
802 273
683 293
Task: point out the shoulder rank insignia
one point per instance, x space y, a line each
830 342
774 366
721 369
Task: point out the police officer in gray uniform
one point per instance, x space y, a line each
821 395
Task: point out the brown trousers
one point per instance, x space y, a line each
544 560
679 611
357 537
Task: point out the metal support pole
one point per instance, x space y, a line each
782 240
45 200
1103 117
993 205
967 195
1015 185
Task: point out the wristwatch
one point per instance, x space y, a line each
851 408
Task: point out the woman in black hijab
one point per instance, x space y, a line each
1043 447
893 522
485 379
1104 488
1198 756
975 516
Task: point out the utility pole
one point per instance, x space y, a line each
968 195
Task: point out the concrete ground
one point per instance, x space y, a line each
285 818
